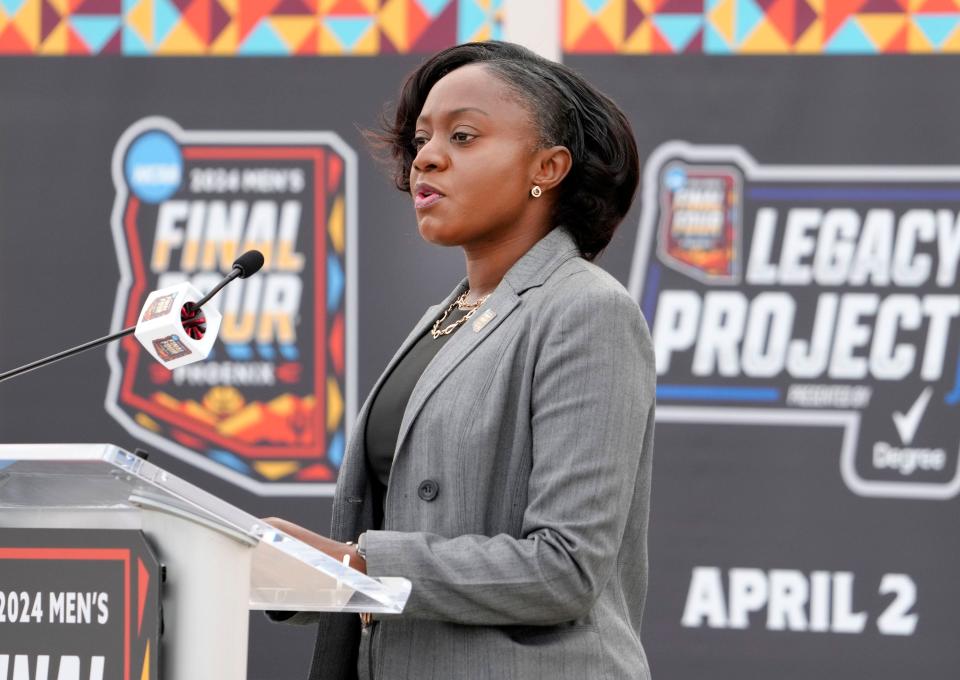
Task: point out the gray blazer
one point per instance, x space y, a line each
519 493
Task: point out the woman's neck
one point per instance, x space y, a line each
487 263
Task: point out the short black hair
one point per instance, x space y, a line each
597 192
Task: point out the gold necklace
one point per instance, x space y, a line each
461 304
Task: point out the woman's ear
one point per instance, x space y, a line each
553 165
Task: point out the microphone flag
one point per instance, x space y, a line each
173 329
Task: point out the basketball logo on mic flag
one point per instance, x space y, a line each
183 334
270 407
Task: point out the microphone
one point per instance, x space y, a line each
249 263
160 315
244 267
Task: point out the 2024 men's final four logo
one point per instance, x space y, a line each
269 408
811 296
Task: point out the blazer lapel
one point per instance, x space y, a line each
351 478
500 303
530 270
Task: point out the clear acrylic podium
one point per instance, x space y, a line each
221 562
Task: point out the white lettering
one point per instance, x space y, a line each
760 271
705 599
821 602
675 325
798 245
724 313
895 620
748 593
888 360
851 336
909 268
948 247
872 259
788 597
768 333
808 359
845 620
908 460
940 309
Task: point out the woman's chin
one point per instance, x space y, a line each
432 231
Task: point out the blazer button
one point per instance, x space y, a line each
428 490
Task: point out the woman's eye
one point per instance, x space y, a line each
418 142
462 137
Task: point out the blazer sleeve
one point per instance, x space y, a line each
592 403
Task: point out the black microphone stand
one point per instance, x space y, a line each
66 353
238 270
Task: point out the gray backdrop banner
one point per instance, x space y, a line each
783 542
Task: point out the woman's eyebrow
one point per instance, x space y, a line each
454 112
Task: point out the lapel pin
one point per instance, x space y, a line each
483 320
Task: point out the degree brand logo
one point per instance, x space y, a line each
270 408
809 296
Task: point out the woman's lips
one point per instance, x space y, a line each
425 197
425 201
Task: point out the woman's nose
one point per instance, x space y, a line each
429 157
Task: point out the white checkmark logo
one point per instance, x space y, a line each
906 424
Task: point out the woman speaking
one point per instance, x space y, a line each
502 461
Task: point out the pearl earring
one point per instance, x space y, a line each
536 191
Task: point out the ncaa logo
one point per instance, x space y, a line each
270 408
809 296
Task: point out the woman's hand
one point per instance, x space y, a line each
334 549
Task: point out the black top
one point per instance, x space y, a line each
387 407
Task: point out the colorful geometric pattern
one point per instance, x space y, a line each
761 26
243 27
